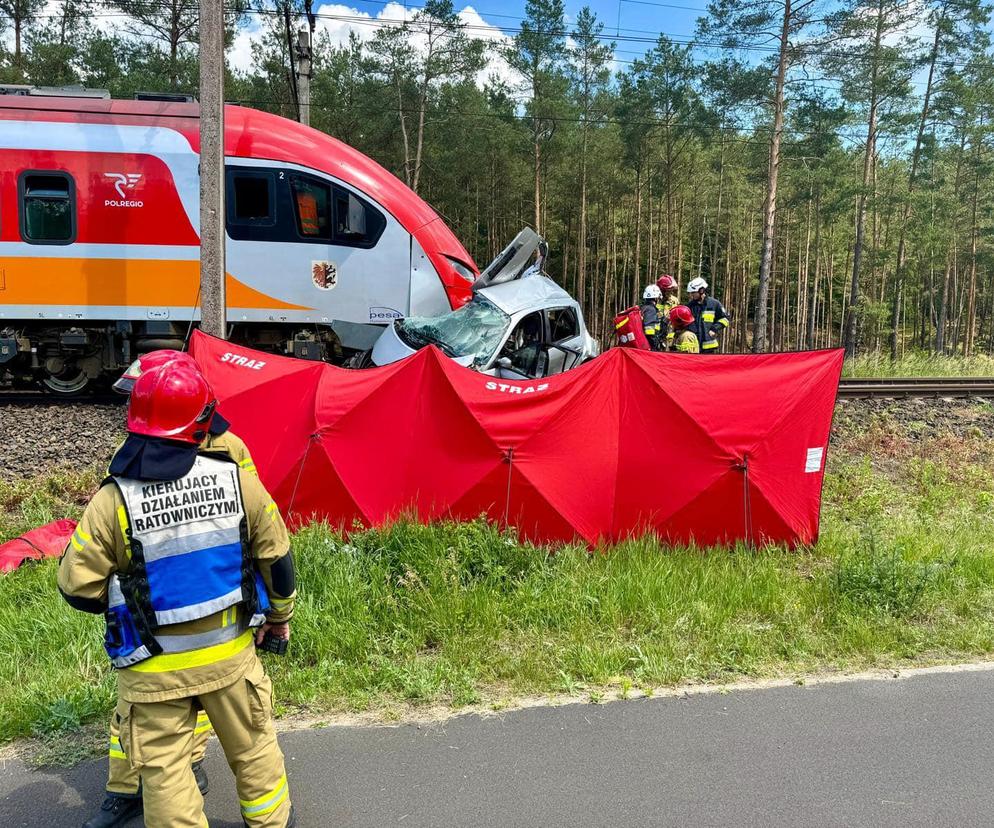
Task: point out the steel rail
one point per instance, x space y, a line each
849 388
21 397
908 387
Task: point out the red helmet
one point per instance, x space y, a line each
681 317
666 282
146 362
174 402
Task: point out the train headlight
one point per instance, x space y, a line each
462 270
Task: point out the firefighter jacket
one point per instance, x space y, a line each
664 306
232 445
652 324
709 318
194 562
685 342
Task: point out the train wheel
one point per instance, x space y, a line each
71 380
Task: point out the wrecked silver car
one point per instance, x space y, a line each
519 324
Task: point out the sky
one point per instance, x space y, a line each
637 22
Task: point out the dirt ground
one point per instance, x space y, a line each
913 420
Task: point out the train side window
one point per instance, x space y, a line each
251 198
312 206
357 223
47 207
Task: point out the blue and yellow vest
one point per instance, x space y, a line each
190 558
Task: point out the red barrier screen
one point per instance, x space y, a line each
709 449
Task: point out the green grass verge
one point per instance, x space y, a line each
919 365
456 614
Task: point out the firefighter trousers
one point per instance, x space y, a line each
158 739
122 779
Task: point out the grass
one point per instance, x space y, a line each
460 614
919 365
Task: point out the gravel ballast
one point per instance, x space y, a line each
37 438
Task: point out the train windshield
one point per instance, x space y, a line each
475 330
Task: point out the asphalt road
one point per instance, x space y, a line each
917 751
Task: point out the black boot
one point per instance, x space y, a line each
200 774
115 811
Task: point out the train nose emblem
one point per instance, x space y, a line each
123 181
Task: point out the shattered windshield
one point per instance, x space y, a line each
473 330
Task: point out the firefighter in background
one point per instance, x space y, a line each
652 323
684 339
187 557
669 288
709 315
122 799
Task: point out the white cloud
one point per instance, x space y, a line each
239 54
338 21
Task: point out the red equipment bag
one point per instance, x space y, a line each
48 541
628 328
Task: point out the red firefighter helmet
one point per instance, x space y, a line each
666 282
681 317
146 362
174 402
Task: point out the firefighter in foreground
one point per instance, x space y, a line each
122 800
653 325
188 558
709 315
684 339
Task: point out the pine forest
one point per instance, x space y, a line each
826 166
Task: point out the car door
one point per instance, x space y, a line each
524 355
565 339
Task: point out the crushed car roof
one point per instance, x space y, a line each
531 292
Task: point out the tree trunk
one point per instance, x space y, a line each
852 316
638 232
419 146
940 324
971 312
809 333
770 207
895 316
581 244
403 129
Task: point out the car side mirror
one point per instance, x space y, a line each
504 362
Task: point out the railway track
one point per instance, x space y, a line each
897 387
21 397
850 388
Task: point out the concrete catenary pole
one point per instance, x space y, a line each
212 263
304 75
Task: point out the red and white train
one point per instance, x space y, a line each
99 235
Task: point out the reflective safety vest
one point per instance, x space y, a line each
187 540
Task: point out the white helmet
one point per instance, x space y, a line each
652 292
696 285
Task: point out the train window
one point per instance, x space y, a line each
251 198
312 203
357 223
48 207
